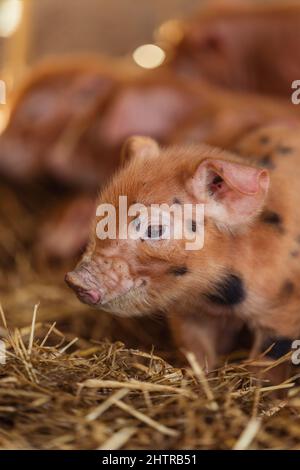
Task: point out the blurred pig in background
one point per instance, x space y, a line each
67 127
70 115
241 45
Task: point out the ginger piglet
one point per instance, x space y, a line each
245 271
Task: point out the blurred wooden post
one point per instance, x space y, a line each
17 46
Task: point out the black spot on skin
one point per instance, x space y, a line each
267 162
264 139
178 270
294 254
176 201
298 239
284 149
287 288
270 217
230 291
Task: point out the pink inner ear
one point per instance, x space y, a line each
245 179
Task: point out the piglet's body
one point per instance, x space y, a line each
248 269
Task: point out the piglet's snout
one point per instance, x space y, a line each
87 294
100 281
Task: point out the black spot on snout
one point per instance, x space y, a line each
229 291
178 270
267 162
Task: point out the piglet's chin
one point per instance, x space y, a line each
131 304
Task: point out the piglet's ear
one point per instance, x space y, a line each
233 193
140 147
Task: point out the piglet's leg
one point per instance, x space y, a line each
206 336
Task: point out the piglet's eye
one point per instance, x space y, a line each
137 224
155 232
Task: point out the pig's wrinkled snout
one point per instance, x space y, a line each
86 294
99 282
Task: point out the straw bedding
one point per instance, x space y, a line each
74 378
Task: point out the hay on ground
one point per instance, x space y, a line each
64 386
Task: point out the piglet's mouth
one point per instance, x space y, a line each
90 297
90 294
101 282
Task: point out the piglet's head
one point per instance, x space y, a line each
154 269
